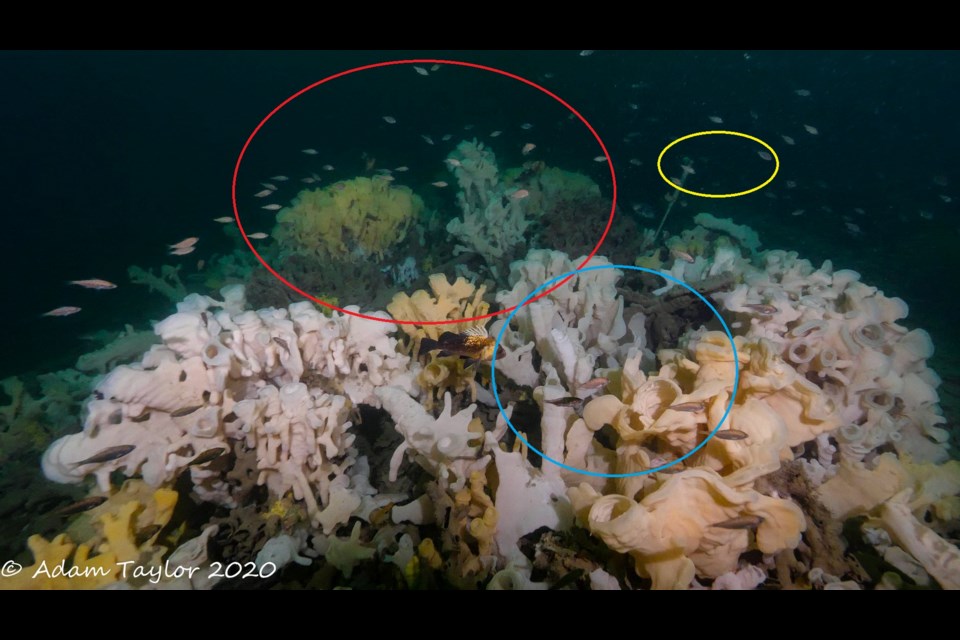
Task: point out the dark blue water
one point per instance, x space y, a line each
108 157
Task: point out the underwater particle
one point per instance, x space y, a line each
527 148
635 162
389 119
788 139
716 119
811 129
62 311
259 235
310 152
765 156
272 207
224 219
264 193
94 283
108 454
440 184
926 215
586 52
421 71
803 93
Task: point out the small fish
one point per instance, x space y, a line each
742 522
402 169
183 244
389 119
791 184
259 235
682 255
803 93
224 219
182 252
94 283
731 434
440 184
527 148
185 411
307 180
146 533
473 343
282 343
596 383
207 456
494 134
263 194
272 207
108 454
570 401
310 152
586 52
80 506
143 417
269 187
426 138
421 71
526 126
762 309
788 139
62 311
326 167
811 129
690 407
380 514
453 162
716 119
447 136
798 212
635 162
435 67
765 156
280 178
519 194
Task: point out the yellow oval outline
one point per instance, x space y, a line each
776 168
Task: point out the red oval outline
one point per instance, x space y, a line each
390 63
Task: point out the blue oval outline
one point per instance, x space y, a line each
726 329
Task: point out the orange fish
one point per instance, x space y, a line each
474 343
